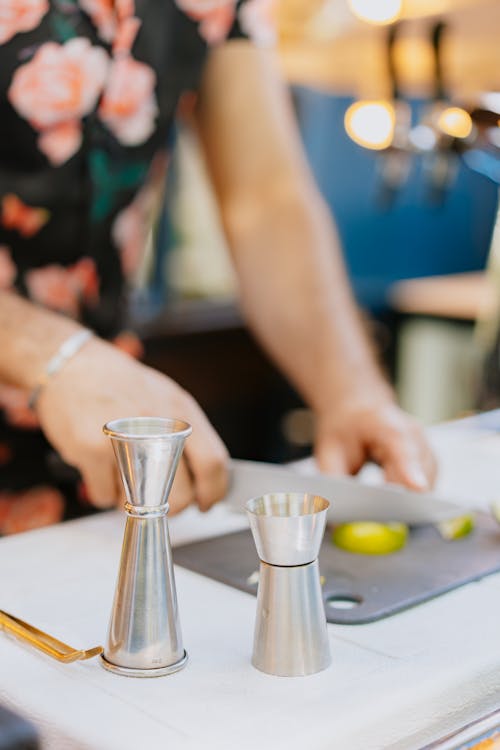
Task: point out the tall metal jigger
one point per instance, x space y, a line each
291 636
144 636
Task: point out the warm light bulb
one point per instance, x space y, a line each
455 122
377 11
371 124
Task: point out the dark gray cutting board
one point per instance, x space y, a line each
372 586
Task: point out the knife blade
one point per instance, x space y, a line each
350 499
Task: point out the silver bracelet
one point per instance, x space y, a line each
66 351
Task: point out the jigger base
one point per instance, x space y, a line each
134 672
291 639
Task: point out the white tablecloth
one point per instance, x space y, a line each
397 683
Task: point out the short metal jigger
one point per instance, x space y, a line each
290 629
144 636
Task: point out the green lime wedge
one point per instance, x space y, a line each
456 528
370 537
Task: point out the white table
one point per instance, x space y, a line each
397 683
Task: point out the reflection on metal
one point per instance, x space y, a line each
290 628
144 637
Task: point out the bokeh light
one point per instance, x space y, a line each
371 124
377 11
423 138
455 122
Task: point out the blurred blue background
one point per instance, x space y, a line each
415 235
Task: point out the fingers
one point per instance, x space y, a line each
100 480
429 462
104 489
386 435
407 465
201 476
402 467
339 452
208 460
183 492
406 457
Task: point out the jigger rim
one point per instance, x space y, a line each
163 428
257 506
287 527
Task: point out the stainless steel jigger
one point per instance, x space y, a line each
144 636
290 628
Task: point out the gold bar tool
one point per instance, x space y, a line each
43 641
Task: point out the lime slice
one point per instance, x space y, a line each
370 537
456 528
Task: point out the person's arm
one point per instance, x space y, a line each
294 289
98 384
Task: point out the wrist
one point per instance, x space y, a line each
99 358
29 337
355 388
69 349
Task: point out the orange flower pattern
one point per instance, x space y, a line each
125 35
129 106
31 509
60 84
104 17
16 215
66 290
61 142
17 16
115 21
215 17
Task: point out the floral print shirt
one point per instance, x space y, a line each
88 92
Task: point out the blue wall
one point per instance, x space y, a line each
412 237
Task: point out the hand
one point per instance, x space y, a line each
358 431
101 383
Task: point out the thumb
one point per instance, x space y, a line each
402 466
100 483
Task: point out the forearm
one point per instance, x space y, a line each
296 295
29 337
294 288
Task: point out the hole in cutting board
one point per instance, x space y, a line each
344 601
